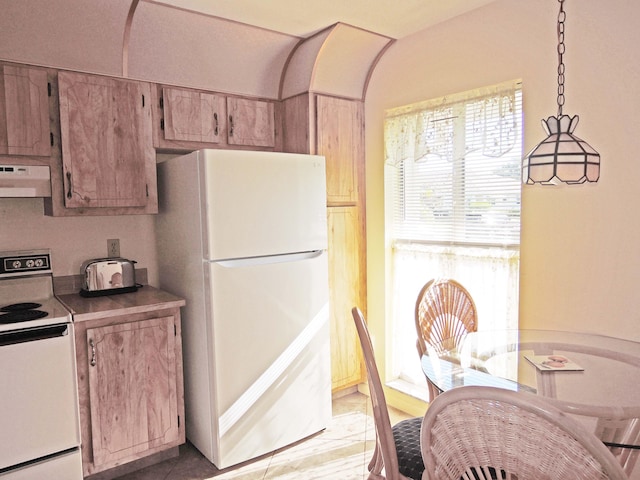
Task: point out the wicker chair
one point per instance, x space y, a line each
397 449
484 433
444 311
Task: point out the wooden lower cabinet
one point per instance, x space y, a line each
346 291
130 387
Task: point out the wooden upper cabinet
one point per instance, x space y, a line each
192 116
191 119
24 112
107 147
340 138
250 122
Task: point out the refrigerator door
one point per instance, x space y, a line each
262 203
270 332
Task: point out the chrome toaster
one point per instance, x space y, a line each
108 276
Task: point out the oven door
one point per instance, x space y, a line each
38 394
66 466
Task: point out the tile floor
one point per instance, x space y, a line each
342 451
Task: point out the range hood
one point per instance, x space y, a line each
25 181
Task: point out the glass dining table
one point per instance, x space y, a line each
592 377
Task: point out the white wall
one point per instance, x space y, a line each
580 263
166 44
73 240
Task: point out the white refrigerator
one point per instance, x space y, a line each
242 236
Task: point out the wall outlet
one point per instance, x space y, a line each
113 247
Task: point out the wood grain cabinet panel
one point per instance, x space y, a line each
24 112
107 148
345 280
250 122
296 121
130 386
340 138
192 116
339 132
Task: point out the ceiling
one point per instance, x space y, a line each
302 18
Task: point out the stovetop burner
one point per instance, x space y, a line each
16 307
27 299
22 316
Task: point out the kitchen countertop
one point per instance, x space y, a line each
145 299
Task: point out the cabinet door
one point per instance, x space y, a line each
107 148
340 139
345 292
251 122
132 388
24 112
191 116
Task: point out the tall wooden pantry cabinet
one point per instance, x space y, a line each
334 127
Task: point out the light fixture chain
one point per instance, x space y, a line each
561 157
561 49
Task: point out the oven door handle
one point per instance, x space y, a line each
33 334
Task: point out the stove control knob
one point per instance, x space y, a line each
16 264
30 263
39 262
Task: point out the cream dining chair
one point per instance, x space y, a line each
444 311
484 433
397 450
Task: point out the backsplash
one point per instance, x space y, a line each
66 284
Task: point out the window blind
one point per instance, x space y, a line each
453 168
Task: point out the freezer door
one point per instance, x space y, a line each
271 360
262 203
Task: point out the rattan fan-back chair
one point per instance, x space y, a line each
484 433
397 449
444 311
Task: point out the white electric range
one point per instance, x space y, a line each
39 419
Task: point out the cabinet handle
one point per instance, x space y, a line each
231 125
93 352
69 185
215 130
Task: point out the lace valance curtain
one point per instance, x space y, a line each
417 131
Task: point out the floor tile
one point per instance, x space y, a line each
342 451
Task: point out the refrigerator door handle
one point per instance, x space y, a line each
268 259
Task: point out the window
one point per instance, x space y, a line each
452 197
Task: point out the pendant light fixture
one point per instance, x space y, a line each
561 157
